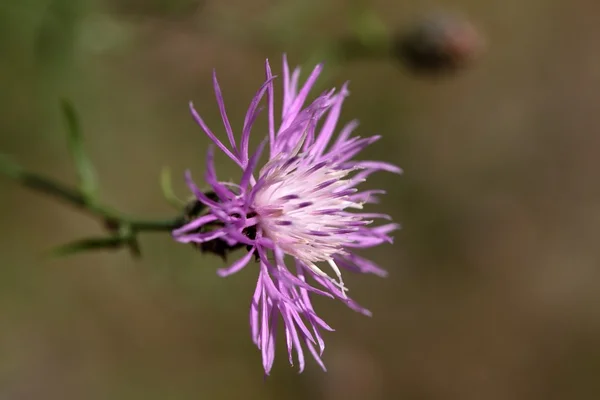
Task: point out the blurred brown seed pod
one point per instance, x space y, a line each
439 44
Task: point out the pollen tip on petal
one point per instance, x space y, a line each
366 313
394 227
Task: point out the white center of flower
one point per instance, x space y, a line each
301 205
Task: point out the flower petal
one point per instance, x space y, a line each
247 175
299 100
237 266
194 225
270 100
221 104
211 135
251 115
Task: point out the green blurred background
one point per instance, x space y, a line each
494 280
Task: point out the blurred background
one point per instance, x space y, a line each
494 283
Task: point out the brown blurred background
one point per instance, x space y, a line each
494 280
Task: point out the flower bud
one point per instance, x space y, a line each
439 44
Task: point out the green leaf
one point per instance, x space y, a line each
167 189
88 244
83 165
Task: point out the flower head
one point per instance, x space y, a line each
300 205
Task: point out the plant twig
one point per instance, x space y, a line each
123 229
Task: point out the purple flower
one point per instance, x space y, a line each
295 214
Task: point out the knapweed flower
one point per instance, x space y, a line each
295 215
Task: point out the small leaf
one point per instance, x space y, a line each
167 189
83 165
89 244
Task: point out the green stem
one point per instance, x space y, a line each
53 189
155 226
123 228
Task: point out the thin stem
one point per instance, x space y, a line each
123 228
54 189
155 226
